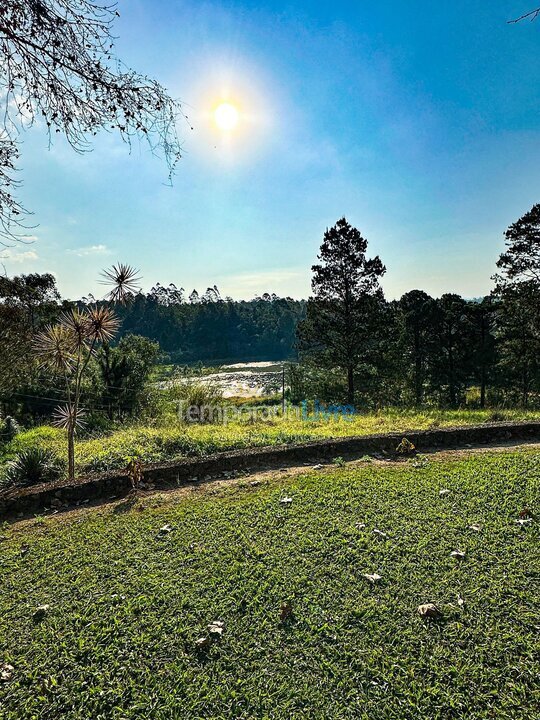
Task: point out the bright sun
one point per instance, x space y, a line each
226 116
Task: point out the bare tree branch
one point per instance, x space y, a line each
57 67
532 15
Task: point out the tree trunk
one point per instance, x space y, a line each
350 385
71 453
451 382
483 388
525 387
483 369
417 368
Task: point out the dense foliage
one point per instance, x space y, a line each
211 329
420 349
354 345
27 302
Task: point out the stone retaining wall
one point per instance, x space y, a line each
179 472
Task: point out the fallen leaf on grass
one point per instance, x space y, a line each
216 628
373 578
285 611
526 513
165 529
203 643
429 610
6 672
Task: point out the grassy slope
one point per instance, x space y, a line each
127 605
153 444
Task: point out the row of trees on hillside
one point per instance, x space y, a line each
420 349
210 329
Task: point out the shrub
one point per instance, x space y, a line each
197 401
9 427
32 467
496 416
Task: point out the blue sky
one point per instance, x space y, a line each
417 121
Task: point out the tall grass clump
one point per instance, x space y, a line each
197 401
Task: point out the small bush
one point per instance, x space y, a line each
9 427
497 416
32 467
197 401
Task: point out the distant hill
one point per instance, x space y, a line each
211 329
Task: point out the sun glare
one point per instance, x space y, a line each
226 116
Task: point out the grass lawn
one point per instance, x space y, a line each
128 603
165 441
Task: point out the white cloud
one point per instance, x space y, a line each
288 281
18 257
91 250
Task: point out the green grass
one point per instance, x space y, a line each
128 604
166 441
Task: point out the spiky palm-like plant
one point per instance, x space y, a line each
124 280
67 347
33 466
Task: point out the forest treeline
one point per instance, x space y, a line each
346 343
415 350
419 349
412 351
213 330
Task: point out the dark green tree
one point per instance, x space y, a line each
452 366
418 314
482 343
521 260
27 302
519 339
340 329
125 371
36 295
518 292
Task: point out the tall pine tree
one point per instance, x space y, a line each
340 329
